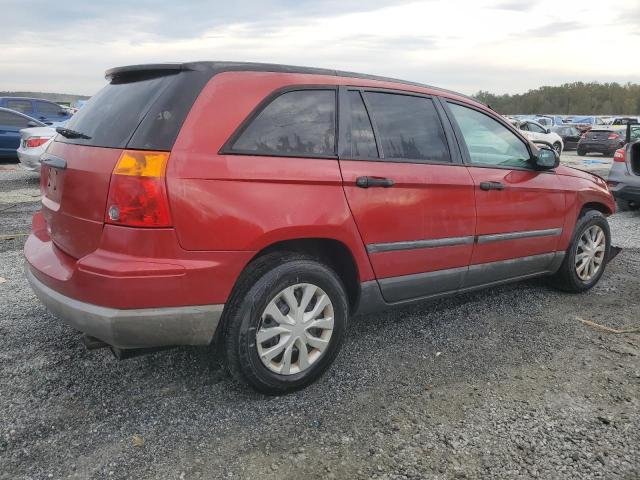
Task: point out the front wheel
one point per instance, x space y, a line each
285 324
558 148
587 255
581 152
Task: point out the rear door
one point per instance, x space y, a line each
10 125
520 211
410 195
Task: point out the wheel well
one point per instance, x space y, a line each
329 251
595 206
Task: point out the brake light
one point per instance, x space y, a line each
613 136
619 155
584 135
34 142
138 191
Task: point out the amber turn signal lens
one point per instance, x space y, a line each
140 163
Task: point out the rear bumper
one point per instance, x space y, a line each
597 147
137 289
30 160
629 193
135 328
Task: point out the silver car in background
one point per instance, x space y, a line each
624 177
33 143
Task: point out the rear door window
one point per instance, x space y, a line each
8 119
48 108
408 127
361 137
488 141
22 106
296 123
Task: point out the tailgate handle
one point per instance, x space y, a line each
53 161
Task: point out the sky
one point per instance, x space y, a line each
503 46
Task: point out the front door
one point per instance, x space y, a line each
520 210
412 200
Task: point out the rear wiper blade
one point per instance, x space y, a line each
67 132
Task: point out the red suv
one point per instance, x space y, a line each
260 206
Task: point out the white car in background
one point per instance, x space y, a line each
33 143
537 134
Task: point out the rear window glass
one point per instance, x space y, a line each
301 122
112 115
23 106
408 127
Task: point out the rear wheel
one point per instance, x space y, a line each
586 257
581 151
286 323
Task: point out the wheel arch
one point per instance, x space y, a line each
334 253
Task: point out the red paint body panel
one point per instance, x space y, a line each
74 200
530 201
226 208
419 206
135 268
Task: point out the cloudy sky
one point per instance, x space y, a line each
465 45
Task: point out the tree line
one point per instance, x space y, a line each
577 98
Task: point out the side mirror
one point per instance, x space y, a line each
32 124
546 158
62 113
547 130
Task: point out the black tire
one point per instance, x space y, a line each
566 278
626 206
259 284
581 152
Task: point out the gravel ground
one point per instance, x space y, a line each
504 383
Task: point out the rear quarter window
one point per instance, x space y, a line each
296 123
22 106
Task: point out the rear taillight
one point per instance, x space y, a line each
584 135
34 142
138 192
613 136
619 155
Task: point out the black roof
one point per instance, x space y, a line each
218 67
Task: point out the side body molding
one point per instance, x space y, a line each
405 290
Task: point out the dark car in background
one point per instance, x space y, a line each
605 140
11 123
43 110
624 177
570 135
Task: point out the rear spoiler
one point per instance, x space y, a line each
148 70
